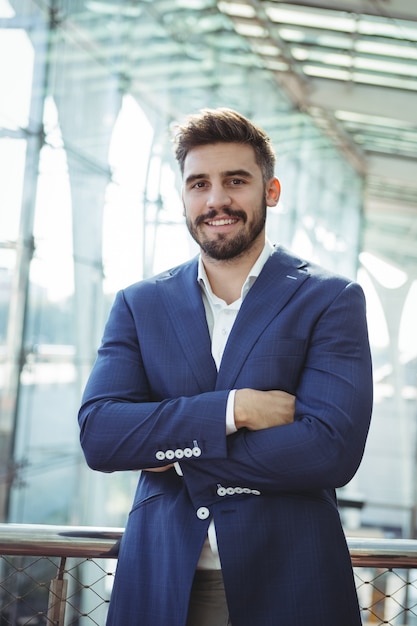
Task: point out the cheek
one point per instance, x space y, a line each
191 209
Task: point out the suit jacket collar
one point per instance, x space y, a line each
181 294
280 278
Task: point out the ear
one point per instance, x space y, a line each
272 192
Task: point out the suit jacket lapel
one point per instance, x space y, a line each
182 298
280 278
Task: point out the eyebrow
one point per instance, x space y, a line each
227 174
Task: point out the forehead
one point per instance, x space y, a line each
220 158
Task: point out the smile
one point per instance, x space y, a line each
223 222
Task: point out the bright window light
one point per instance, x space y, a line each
304 54
113 8
407 336
360 63
15 77
365 78
395 145
384 28
6 10
339 41
194 5
384 80
236 9
323 20
362 118
404 51
326 72
250 30
377 324
300 54
343 22
385 66
275 65
292 34
266 50
385 273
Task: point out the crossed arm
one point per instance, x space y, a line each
121 428
256 410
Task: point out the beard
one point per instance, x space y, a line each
223 247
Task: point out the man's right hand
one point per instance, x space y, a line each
256 410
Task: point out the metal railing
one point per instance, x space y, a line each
62 576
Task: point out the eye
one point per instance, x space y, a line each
200 184
236 181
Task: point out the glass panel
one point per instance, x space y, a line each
90 92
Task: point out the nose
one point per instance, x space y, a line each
218 197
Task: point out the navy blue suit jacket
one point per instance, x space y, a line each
155 396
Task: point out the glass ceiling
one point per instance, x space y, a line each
351 65
318 42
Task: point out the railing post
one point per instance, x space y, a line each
58 597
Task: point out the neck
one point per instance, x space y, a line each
228 277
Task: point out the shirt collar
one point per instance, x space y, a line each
250 279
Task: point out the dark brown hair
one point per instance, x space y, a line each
223 125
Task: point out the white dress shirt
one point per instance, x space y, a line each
220 320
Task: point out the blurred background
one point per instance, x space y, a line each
89 203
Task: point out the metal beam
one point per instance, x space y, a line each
15 348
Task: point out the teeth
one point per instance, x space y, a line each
221 222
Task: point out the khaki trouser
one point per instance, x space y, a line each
208 606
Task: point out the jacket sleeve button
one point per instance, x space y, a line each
179 453
170 454
160 456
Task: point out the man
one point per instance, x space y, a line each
240 382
